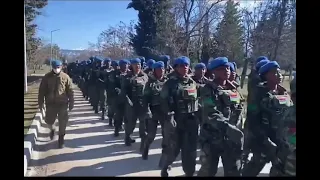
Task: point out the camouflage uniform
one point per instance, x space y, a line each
285 164
115 104
179 102
56 90
200 82
94 91
219 136
132 89
152 95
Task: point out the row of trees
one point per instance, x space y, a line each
202 29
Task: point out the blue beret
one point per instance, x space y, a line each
232 68
150 62
217 62
135 61
261 58
200 66
114 63
265 68
261 63
182 60
165 58
235 65
107 59
56 63
123 62
159 64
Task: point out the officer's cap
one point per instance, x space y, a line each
182 60
200 66
159 64
150 62
265 68
217 62
56 63
261 63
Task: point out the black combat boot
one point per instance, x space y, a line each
116 132
95 108
61 141
145 151
51 134
127 141
164 172
142 144
110 122
103 113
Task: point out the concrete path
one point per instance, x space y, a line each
92 150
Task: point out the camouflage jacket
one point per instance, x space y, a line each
153 89
55 89
179 95
267 109
226 100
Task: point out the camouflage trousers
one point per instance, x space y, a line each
286 168
157 118
57 110
210 156
182 138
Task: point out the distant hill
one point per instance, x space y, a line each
68 52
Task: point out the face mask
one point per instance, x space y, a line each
57 71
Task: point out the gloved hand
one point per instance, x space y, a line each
118 91
71 106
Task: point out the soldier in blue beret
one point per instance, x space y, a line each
132 90
116 108
148 70
222 107
57 93
200 79
152 96
180 102
273 99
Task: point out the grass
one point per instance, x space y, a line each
31 98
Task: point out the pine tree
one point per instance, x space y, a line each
229 35
143 40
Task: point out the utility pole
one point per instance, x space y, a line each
25 53
51 43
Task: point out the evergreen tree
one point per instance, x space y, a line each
144 39
229 35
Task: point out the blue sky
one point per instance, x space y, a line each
81 21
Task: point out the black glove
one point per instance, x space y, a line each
70 106
118 91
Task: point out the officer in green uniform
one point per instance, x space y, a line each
180 102
103 79
56 90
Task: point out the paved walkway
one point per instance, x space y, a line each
92 150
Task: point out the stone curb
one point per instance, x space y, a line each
31 137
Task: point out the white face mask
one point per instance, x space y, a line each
57 71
